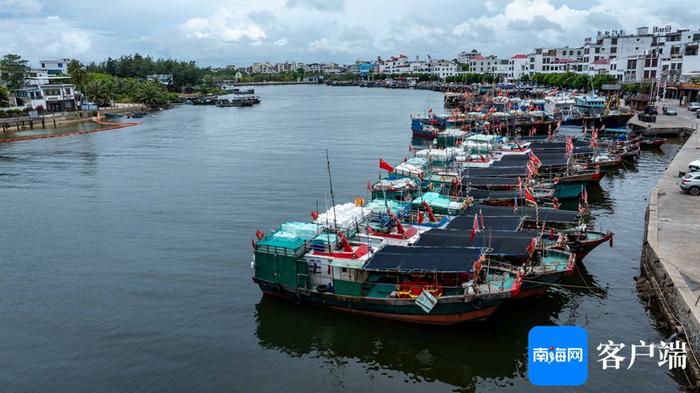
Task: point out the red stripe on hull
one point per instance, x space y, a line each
526 293
420 319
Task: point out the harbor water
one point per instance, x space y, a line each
125 260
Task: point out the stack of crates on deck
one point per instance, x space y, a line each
277 255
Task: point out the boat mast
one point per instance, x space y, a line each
330 182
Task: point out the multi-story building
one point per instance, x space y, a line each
483 64
466 57
659 53
55 66
51 97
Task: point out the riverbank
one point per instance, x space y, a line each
669 259
56 120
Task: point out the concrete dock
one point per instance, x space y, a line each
671 254
680 125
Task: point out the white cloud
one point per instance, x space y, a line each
223 25
53 17
280 42
20 7
58 38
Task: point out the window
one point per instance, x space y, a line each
43 65
60 65
613 49
597 50
614 41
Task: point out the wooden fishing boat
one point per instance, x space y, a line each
652 142
518 252
425 285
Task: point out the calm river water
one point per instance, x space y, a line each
125 260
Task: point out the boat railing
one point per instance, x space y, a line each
285 251
409 289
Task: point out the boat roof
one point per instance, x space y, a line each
424 259
489 181
497 171
504 223
483 195
545 214
500 243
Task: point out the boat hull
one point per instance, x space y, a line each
448 311
610 121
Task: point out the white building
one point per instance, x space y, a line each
443 68
55 66
519 66
466 57
483 64
53 97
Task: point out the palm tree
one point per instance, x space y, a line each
99 90
77 73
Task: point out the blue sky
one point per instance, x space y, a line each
218 32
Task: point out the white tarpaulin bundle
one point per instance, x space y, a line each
346 215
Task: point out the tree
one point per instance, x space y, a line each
151 94
599 80
78 74
4 96
13 69
100 88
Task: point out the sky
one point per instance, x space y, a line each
220 32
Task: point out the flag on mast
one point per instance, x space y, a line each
385 165
475 228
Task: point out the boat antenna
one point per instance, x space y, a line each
330 182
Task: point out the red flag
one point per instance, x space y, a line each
529 197
584 196
531 247
385 165
314 215
534 159
475 228
430 110
369 185
420 217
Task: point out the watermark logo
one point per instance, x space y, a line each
557 355
672 354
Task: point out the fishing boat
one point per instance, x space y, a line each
425 285
422 131
582 242
112 115
137 115
652 142
517 252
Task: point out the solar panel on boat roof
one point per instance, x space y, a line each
424 259
501 243
506 223
545 214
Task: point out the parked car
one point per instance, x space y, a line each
697 114
690 183
670 111
651 110
693 106
694 166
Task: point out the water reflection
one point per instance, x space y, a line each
456 355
